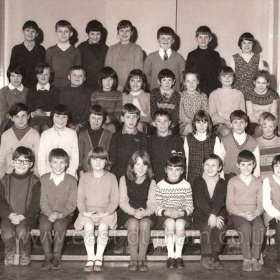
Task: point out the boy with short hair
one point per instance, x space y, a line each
21 134
164 58
244 204
94 136
19 206
236 142
63 56
269 143
205 61
77 97
29 53
167 98
58 202
127 141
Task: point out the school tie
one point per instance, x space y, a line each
165 57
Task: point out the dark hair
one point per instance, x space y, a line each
166 30
176 160
161 112
61 109
214 156
262 73
64 23
17 69
124 24
98 110
248 37
226 70
130 109
40 67
136 73
98 152
31 24
202 115
193 72
107 72
133 160
238 115
18 107
26 152
166 73
246 156
94 25
203 30
276 160
78 67
59 153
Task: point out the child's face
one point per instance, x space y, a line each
97 164
276 169
191 82
20 120
201 126
130 120
203 40
140 168
211 167
162 124
174 173
95 121
58 165
94 37
44 77
226 80
16 79
135 84
107 83
29 34
125 35
246 167
21 165
268 128
261 85
246 46
165 41
60 121
238 126
63 34
166 83
77 78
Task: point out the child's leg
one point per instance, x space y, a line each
276 226
89 241
180 237
257 237
170 226
145 235
46 236
8 237
132 226
217 238
102 239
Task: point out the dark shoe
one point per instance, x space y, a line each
278 267
89 266
170 263
247 265
207 263
164 251
218 265
46 265
56 264
179 263
25 258
98 266
132 266
157 251
142 266
256 266
9 259
120 247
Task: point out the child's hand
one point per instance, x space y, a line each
250 216
168 213
137 214
21 217
101 215
14 218
89 214
220 222
52 217
59 216
212 221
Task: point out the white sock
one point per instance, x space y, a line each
101 245
179 246
89 241
170 240
196 241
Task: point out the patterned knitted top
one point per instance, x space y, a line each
177 196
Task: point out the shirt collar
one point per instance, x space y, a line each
11 87
124 131
64 47
162 52
57 178
45 87
240 138
168 133
201 136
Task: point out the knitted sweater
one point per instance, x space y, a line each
98 194
244 198
154 64
207 64
61 198
29 60
93 58
174 196
9 142
222 102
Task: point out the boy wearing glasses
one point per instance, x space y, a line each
19 206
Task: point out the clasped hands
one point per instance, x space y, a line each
174 214
215 221
16 218
95 216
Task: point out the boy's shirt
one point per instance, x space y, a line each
207 64
232 145
172 105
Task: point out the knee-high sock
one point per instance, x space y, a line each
89 241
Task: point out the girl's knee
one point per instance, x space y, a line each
145 223
180 225
133 224
169 224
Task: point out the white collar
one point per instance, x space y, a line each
65 46
201 136
57 178
11 87
162 52
45 87
240 138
